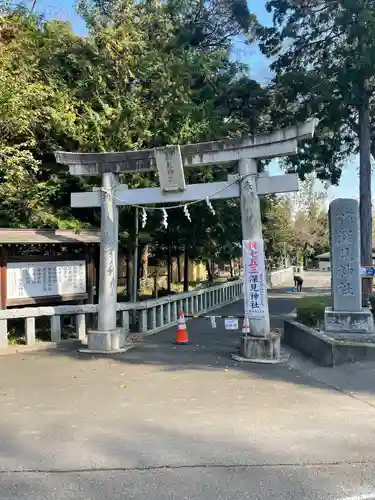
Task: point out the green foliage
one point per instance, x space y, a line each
149 73
310 310
323 55
310 228
277 229
372 301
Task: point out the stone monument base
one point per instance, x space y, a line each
106 342
255 349
341 322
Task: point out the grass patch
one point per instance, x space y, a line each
17 333
310 310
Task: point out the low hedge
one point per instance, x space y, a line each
372 301
310 310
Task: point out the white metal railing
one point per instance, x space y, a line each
150 315
281 276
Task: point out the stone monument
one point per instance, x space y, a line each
347 315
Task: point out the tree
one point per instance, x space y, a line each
207 25
324 54
33 111
133 82
310 219
277 229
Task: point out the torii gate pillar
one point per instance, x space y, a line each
251 219
108 264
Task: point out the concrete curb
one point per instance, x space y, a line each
324 349
282 359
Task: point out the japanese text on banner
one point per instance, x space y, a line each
254 278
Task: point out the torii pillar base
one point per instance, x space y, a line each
108 342
254 349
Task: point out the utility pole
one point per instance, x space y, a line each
365 202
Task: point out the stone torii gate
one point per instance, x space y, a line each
170 161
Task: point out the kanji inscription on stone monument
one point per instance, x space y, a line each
345 245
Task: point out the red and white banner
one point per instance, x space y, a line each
255 279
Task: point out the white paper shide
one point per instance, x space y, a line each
255 282
41 279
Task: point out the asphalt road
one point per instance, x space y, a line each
167 422
204 483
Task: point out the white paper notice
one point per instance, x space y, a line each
213 321
231 323
41 279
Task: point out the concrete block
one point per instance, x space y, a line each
324 349
105 342
348 322
56 328
3 333
125 321
30 331
252 347
81 326
143 323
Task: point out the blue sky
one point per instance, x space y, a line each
349 186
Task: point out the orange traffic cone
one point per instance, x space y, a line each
182 337
246 327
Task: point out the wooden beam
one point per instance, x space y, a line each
90 274
46 299
214 190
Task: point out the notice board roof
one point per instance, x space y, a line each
47 237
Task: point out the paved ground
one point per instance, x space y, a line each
167 422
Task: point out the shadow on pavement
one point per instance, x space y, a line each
210 350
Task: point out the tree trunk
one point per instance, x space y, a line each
140 269
209 272
129 275
97 273
156 280
186 270
145 262
179 268
135 284
365 205
169 268
231 268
